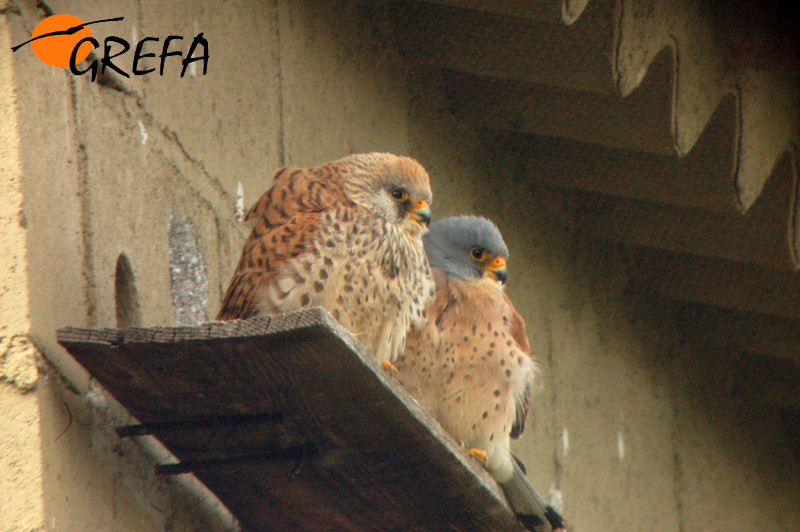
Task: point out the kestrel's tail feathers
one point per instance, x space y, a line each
531 510
240 300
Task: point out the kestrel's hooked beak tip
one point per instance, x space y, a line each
496 269
421 213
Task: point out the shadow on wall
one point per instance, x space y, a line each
126 296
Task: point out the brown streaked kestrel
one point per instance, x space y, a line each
345 236
471 367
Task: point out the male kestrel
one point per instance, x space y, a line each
345 236
471 367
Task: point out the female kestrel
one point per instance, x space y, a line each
345 236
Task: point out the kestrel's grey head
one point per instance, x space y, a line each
468 247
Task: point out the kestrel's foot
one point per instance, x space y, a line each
478 454
388 366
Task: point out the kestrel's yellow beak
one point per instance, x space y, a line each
496 269
421 212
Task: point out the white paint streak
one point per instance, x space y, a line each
96 397
620 446
556 499
565 441
239 201
142 132
192 65
640 76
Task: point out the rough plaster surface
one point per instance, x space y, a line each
101 176
20 451
122 492
188 273
634 429
14 319
338 76
18 358
20 460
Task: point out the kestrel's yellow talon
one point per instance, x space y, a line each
477 454
480 456
388 366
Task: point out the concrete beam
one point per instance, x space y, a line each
769 127
756 237
567 10
511 48
715 282
753 359
702 179
770 382
639 122
704 74
743 332
620 44
545 11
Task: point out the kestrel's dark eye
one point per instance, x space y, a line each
478 253
399 195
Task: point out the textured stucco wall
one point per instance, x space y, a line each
20 450
629 432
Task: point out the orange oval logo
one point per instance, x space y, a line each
56 50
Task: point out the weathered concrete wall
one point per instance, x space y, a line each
633 429
20 450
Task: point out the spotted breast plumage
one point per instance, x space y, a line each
345 236
470 367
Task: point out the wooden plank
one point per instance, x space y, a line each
371 457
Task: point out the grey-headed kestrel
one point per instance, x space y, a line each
471 367
345 236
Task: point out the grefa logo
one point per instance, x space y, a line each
65 40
